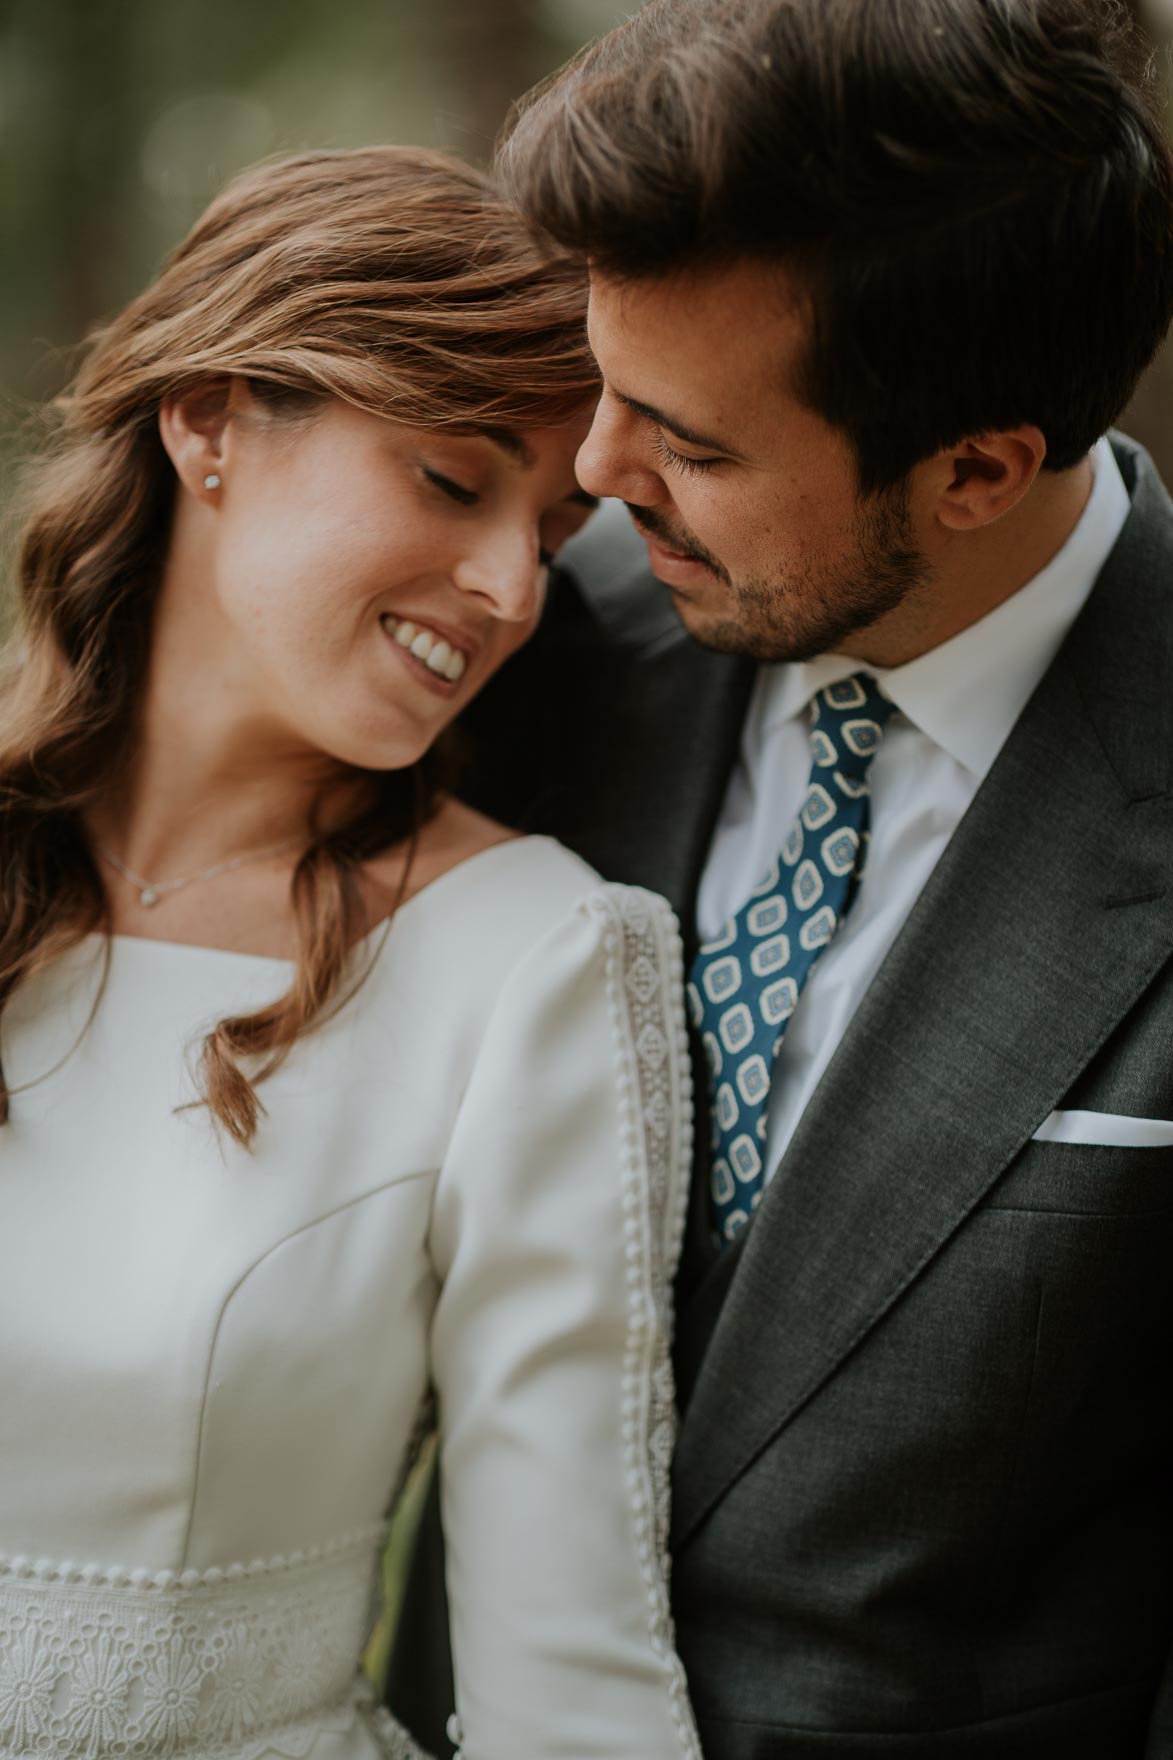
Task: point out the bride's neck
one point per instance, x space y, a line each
206 779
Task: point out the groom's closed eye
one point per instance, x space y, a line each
680 461
680 430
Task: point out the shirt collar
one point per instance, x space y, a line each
967 693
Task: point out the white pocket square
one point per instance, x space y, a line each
1109 1129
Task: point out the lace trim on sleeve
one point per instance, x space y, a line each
393 1740
644 966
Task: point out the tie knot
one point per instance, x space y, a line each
848 722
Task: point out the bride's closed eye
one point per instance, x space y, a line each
448 486
469 498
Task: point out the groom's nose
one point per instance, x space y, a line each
612 460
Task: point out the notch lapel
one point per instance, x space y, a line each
1043 923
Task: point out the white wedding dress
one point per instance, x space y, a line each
213 1362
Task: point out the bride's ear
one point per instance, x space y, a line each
193 428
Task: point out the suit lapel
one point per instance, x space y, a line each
1043 923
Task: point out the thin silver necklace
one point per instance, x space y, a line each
151 891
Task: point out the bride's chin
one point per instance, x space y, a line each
382 749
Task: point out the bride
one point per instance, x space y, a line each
319 1090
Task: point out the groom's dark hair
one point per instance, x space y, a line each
974 198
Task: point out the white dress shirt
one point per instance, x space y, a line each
955 706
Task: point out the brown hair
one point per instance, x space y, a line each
974 197
389 277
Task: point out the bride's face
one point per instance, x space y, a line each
353 582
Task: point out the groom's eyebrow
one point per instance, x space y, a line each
662 419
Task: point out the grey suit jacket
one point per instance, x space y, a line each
924 1482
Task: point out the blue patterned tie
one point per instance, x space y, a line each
744 986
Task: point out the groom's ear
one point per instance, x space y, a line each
980 480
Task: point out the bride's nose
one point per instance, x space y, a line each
502 567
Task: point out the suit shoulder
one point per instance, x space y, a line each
606 566
608 546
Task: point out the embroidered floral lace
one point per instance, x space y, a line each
252 1660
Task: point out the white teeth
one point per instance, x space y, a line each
438 655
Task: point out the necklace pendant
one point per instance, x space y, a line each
148 897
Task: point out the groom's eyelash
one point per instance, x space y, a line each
679 461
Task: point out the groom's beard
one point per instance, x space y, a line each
810 612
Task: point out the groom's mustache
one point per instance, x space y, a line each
658 528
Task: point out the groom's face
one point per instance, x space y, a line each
747 499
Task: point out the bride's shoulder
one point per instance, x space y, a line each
531 879
492 899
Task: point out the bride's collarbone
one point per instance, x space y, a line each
251 910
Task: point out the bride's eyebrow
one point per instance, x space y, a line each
512 443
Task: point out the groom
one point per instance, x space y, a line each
869 280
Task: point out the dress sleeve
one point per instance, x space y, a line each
557 1226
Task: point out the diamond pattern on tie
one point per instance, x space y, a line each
746 982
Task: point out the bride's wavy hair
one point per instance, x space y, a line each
390 277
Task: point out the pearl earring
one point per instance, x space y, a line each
211 481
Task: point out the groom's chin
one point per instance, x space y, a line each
713 629
716 627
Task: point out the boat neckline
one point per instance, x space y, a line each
382 927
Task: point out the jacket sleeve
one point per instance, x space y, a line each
556 1230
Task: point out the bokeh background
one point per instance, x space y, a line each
120 118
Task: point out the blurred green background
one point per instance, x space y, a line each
120 118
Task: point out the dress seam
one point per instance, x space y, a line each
230 1297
